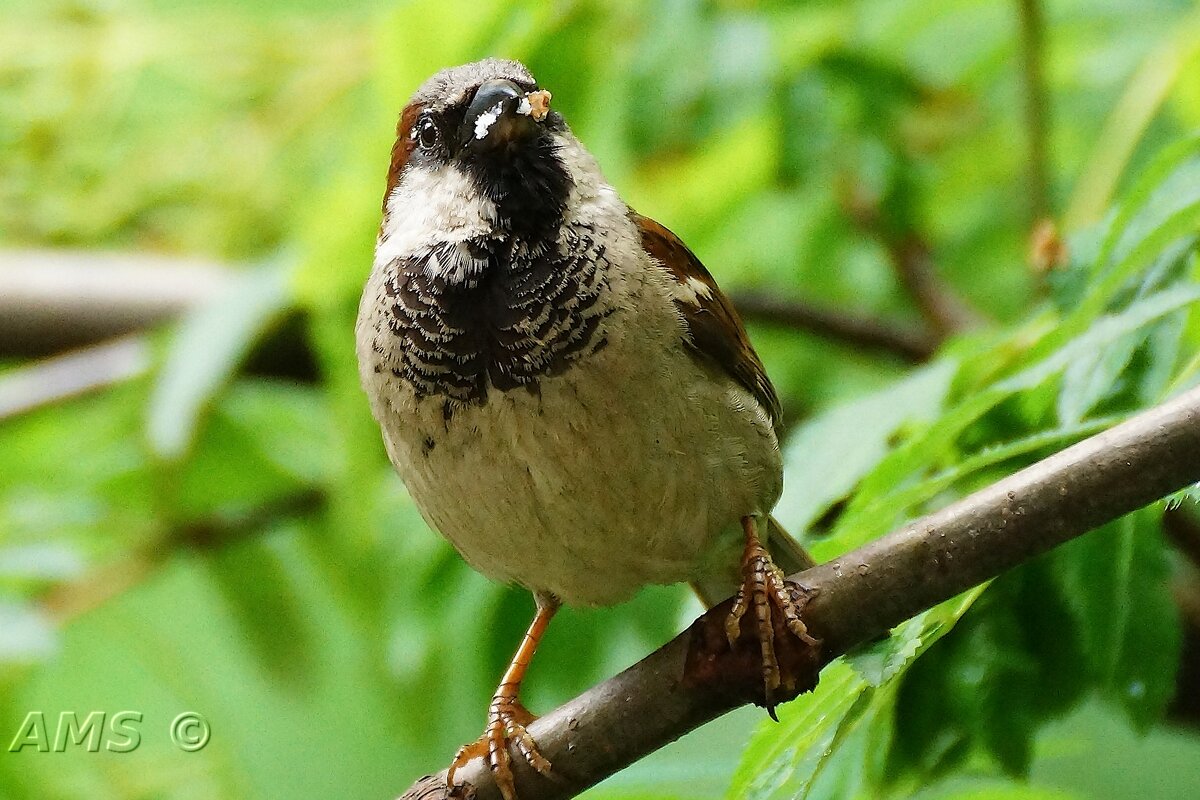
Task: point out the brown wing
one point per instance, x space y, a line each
716 332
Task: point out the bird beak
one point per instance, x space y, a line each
501 113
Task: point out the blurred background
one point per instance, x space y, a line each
196 512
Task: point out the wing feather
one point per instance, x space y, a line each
716 334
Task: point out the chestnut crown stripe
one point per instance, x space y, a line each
716 333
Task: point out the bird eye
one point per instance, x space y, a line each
427 134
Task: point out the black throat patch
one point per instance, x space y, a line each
527 182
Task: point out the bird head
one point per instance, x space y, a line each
480 141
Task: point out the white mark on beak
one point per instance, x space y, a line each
486 120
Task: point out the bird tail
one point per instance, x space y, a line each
787 553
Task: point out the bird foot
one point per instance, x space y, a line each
765 590
507 721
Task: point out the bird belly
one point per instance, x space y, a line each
633 467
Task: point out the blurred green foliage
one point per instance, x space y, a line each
204 540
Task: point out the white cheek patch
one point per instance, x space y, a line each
430 206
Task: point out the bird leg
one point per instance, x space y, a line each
507 718
764 589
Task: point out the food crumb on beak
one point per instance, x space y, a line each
536 104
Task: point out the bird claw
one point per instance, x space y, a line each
766 591
507 723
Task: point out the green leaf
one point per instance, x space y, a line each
1009 665
1188 494
1162 208
788 759
264 603
288 424
903 501
782 760
1128 120
1102 333
1164 345
882 661
205 351
1164 205
1116 580
1144 676
828 456
1090 378
861 523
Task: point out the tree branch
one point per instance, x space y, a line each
942 307
63 377
857 597
909 343
52 301
945 311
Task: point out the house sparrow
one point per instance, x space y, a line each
566 393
